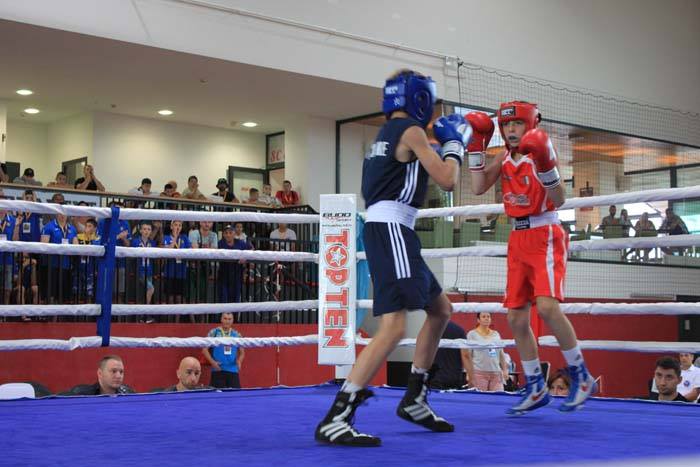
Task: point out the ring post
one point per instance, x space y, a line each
337 292
105 276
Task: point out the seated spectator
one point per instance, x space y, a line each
61 181
667 377
610 219
625 223
643 225
144 189
87 268
231 272
559 383
487 370
89 180
8 231
29 223
226 360
110 380
253 197
27 178
282 238
287 196
224 193
266 198
188 374
59 231
690 378
449 364
192 190
673 224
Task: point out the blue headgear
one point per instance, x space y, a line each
415 95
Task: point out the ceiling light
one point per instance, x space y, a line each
24 92
165 112
31 111
249 124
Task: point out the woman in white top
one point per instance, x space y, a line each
487 370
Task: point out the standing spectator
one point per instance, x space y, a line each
449 364
610 219
79 221
175 270
7 268
61 181
123 239
84 285
224 193
287 196
203 237
89 180
253 197
225 360
27 178
110 380
27 281
192 190
283 238
487 370
667 377
29 223
188 374
145 265
59 231
231 272
267 199
644 228
144 189
559 383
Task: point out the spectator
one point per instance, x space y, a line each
110 380
173 187
157 232
144 189
86 271
487 370
267 199
192 190
27 178
225 360
231 272
7 268
4 178
145 265
690 378
673 224
89 180
29 223
175 270
188 374
559 383
61 181
224 193
79 221
610 219
59 231
203 237
448 367
644 228
123 239
667 377
283 238
625 223
287 196
27 281
253 197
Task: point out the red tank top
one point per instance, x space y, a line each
523 193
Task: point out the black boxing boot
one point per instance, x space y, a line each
414 406
336 427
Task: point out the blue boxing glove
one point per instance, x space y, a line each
450 132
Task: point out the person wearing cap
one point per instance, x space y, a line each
27 178
227 196
144 189
231 272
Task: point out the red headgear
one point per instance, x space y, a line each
518 110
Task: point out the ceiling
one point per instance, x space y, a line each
71 72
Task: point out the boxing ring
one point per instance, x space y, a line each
275 425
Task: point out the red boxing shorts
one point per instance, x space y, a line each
536 265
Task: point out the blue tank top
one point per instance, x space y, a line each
386 179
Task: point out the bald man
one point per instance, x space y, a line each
188 374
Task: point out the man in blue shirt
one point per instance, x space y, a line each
29 223
7 232
145 265
59 231
225 360
175 270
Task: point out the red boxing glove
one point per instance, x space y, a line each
537 143
482 131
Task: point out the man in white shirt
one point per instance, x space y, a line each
690 377
286 235
144 189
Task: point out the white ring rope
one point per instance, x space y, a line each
658 308
215 253
51 248
250 342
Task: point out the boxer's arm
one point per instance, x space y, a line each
482 180
444 172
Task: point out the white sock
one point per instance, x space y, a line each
420 371
573 356
532 367
350 387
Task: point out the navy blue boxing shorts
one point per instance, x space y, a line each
400 278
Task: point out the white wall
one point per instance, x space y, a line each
27 143
126 149
355 140
68 138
